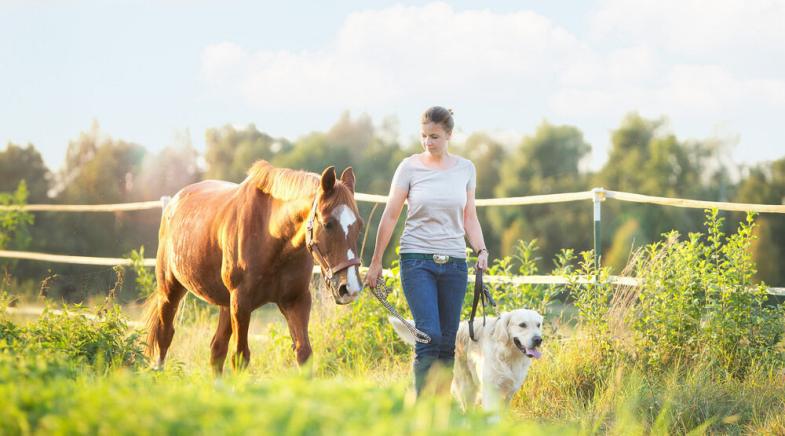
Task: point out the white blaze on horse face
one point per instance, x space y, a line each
345 216
352 276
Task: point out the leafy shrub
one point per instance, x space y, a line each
77 336
145 277
697 304
13 223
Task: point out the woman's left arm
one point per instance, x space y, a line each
471 225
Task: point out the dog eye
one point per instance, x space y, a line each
538 325
523 325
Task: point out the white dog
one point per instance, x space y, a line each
491 370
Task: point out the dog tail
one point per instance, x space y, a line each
402 331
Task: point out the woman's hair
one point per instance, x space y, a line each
439 115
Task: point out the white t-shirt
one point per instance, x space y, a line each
436 200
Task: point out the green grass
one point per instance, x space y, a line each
126 402
69 375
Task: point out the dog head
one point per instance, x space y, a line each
522 329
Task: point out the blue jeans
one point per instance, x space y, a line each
435 295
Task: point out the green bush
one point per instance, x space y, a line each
76 335
145 276
697 304
14 223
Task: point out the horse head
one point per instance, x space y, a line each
334 229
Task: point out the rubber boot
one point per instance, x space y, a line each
441 376
422 367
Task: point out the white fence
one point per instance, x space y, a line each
597 196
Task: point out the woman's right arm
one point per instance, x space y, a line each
392 210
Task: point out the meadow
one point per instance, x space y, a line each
697 349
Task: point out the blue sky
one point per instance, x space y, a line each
157 72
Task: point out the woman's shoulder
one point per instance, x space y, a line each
463 162
408 160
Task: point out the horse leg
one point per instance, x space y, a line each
297 313
240 311
220 343
160 319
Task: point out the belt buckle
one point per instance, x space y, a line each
441 258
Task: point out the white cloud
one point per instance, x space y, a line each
223 62
386 56
714 89
695 26
697 91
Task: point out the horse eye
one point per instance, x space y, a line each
523 325
329 224
538 325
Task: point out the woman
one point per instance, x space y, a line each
439 187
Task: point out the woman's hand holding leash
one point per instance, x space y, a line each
373 274
482 259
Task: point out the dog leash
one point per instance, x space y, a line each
481 294
381 291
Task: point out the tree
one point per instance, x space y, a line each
545 163
168 171
231 152
765 184
24 163
346 143
645 158
98 169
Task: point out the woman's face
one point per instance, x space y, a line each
434 138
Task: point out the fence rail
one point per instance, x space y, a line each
695 204
79 260
507 201
141 205
597 195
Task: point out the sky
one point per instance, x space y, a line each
160 73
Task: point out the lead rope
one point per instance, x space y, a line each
381 291
482 295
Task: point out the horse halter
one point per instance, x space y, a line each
313 247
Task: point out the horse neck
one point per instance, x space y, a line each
292 220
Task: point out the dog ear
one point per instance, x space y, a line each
501 331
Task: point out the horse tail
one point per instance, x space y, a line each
152 305
153 322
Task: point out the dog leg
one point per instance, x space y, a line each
463 387
491 400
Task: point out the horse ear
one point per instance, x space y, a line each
347 177
328 179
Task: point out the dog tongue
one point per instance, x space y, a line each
535 353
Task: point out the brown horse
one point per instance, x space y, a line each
241 246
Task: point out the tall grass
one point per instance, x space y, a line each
571 390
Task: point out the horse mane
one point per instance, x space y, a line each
283 183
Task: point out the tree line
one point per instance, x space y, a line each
644 157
